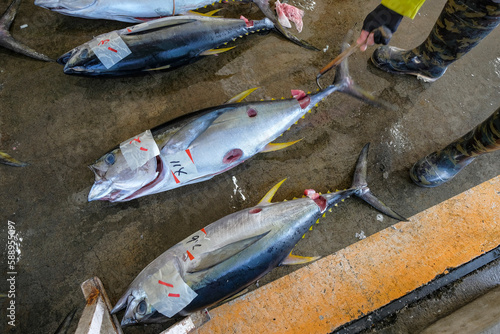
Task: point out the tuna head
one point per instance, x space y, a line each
137 309
81 59
116 181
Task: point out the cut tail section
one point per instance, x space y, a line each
7 41
362 191
268 12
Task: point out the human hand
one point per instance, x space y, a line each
378 27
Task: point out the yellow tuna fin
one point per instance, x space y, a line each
271 147
210 13
212 52
241 96
291 259
269 196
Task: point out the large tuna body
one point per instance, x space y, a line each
215 140
160 44
231 253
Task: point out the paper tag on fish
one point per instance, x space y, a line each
182 166
139 149
167 291
109 48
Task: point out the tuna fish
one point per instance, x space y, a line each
205 143
7 41
129 10
160 44
230 254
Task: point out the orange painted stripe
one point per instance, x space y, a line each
371 273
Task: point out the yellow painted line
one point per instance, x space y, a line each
371 273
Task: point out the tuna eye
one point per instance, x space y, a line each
84 54
110 159
141 308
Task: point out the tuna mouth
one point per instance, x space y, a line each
64 59
101 190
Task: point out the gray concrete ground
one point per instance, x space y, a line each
60 124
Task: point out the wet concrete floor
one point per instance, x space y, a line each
60 124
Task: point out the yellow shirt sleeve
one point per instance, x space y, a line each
408 8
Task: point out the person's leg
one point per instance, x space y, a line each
441 166
461 25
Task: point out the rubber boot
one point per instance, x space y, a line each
461 25
441 166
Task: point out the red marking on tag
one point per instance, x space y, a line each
166 284
143 149
189 155
303 99
174 295
129 30
175 178
136 139
191 257
203 230
111 49
255 210
104 41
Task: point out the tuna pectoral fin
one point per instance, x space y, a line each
271 147
8 160
213 258
362 191
269 196
241 96
6 39
212 52
291 259
181 140
157 25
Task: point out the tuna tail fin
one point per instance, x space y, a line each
6 40
264 7
344 83
362 191
65 325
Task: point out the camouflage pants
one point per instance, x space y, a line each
461 25
441 166
483 138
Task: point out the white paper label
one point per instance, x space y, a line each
139 149
109 48
168 292
182 166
